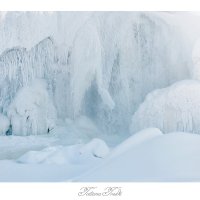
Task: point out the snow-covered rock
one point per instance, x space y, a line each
4 124
32 111
175 108
96 147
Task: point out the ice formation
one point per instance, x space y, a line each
175 108
97 64
97 147
4 124
32 112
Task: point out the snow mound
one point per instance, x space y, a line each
170 157
175 108
4 124
32 111
135 140
14 146
96 147
74 154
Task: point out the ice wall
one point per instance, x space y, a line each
98 64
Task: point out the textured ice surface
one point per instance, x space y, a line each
97 64
32 111
175 108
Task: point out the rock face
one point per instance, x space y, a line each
175 108
97 64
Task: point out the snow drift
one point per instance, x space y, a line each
75 154
165 157
148 155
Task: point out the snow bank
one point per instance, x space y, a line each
175 108
4 124
170 157
58 155
85 124
32 111
74 154
96 147
14 146
147 156
135 140
48 155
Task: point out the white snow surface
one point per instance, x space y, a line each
149 155
175 108
11 147
134 140
165 157
53 163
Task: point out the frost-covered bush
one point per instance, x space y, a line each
175 108
4 124
32 111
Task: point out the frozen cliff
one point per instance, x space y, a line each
97 64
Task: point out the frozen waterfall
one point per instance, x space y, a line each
97 64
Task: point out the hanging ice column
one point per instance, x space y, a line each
137 57
86 66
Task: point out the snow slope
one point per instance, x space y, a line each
168 157
148 155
